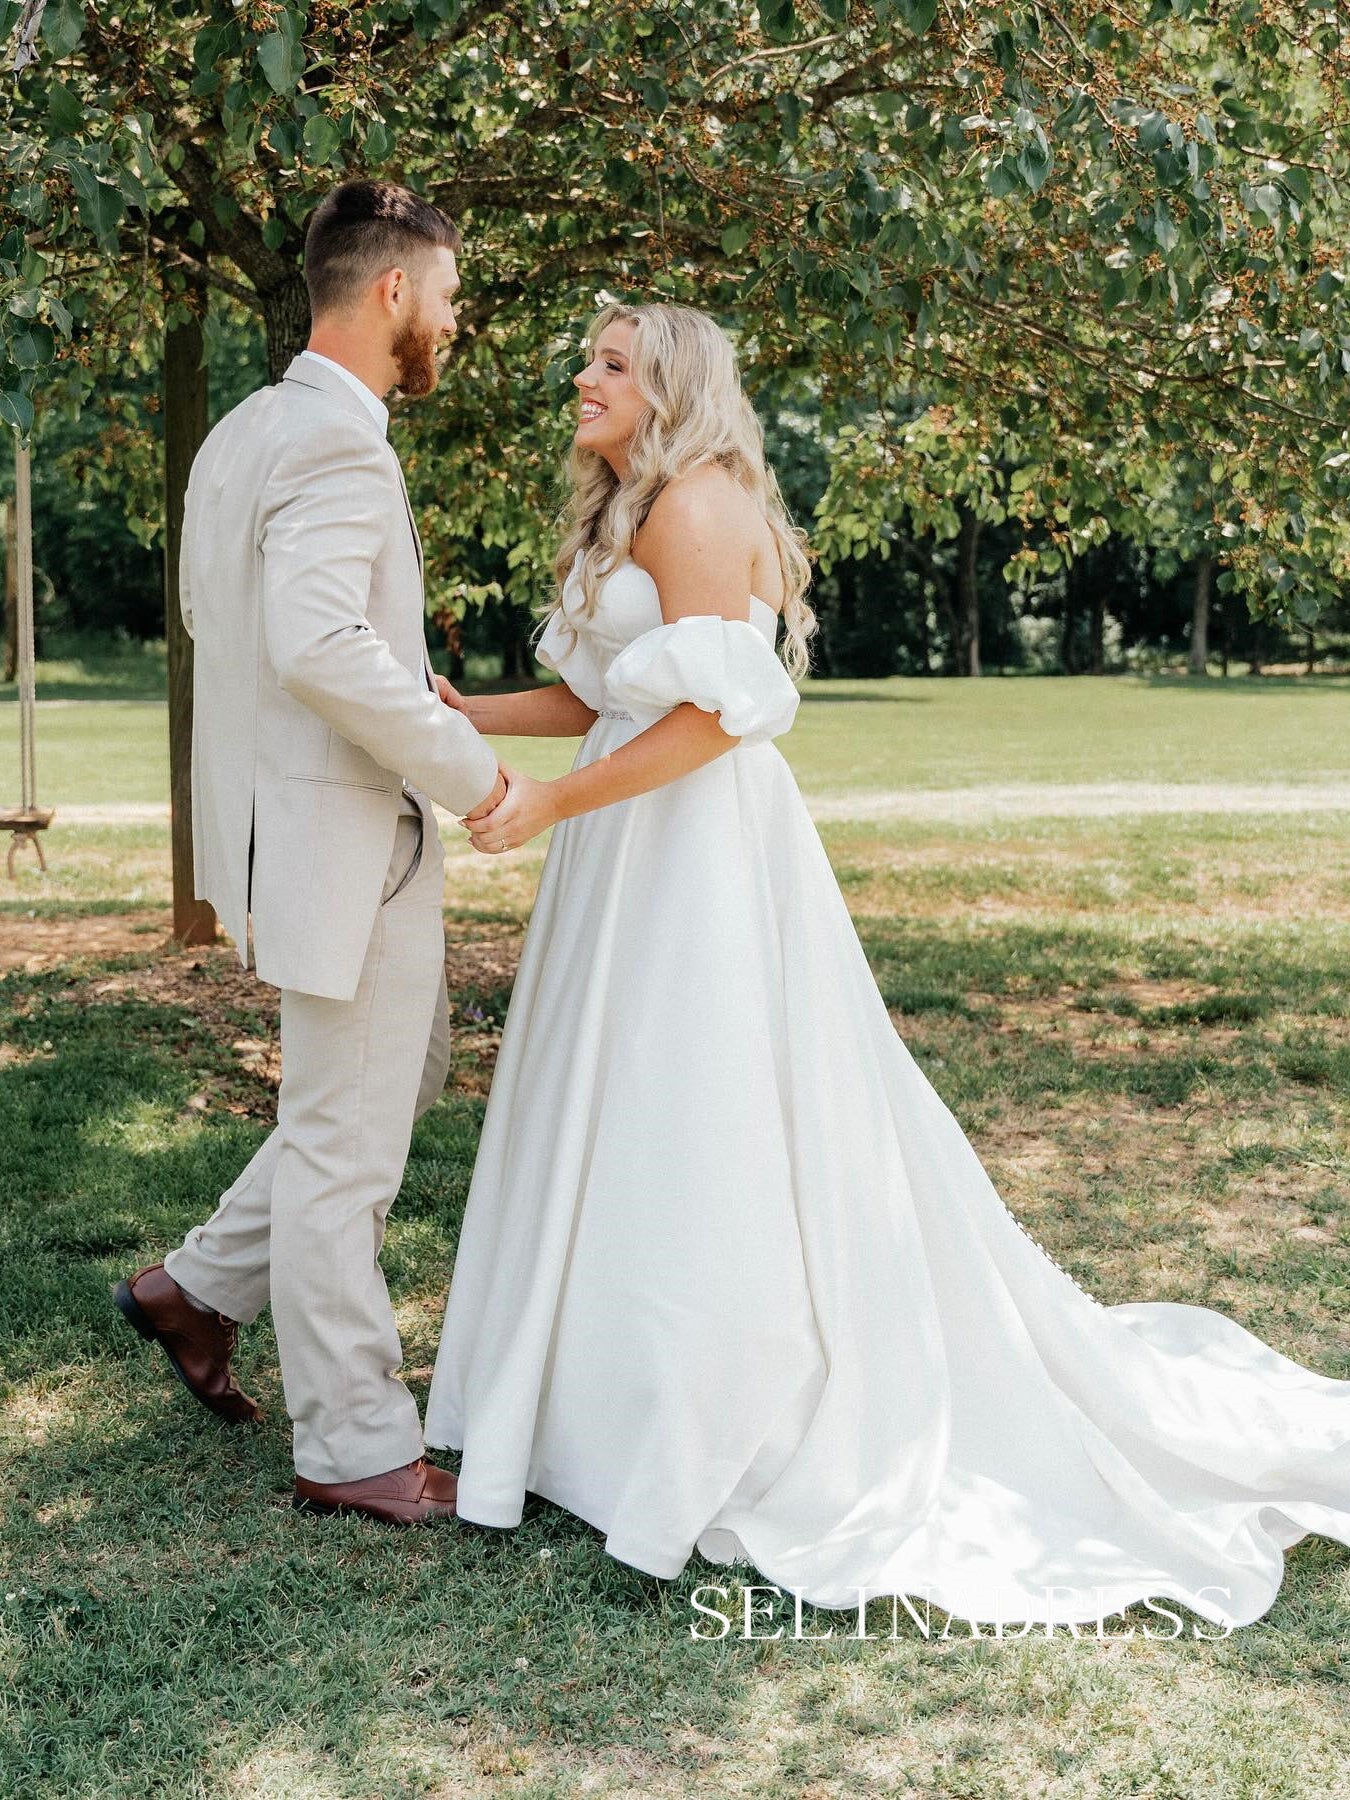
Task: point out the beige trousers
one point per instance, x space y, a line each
303 1225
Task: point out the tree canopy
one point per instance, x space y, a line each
1076 266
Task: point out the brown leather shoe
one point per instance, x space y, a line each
198 1344
413 1495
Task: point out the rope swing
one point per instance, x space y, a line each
28 819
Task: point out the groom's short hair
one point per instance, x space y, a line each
360 230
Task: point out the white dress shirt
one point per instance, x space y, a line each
374 405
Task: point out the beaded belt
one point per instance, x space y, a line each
609 712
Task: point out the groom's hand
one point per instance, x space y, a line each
493 800
451 696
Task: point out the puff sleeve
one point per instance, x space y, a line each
722 665
571 654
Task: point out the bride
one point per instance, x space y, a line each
731 1278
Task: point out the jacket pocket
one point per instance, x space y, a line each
365 787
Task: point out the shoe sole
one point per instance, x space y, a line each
141 1322
330 1509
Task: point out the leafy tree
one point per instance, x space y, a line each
1019 252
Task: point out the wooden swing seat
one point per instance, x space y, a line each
25 822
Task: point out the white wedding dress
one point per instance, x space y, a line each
731 1278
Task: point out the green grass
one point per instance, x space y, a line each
850 736
1144 1026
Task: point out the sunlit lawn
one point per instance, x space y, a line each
1144 1025
850 736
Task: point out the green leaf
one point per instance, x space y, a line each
65 109
211 43
1265 199
274 233
33 347
777 18
281 60
1153 132
1033 164
30 199
99 203
791 109
16 410
1165 232
1001 178
655 96
133 188
735 238
917 14
63 25
60 316
284 139
321 138
379 142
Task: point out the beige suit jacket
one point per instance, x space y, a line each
301 582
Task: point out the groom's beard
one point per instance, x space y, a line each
414 354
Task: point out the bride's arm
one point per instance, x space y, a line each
694 547
552 711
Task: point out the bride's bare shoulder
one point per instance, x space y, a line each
698 543
706 497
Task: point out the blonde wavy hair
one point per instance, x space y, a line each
684 367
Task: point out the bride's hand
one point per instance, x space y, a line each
528 809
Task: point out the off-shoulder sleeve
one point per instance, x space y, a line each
722 665
570 653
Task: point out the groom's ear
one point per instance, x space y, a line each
394 290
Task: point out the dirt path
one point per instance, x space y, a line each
1082 800
971 805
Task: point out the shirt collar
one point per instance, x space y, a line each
374 405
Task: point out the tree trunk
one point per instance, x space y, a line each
968 588
286 318
517 662
454 643
1204 588
1310 665
11 591
185 425
1068 650
1097 630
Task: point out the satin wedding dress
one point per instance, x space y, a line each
732 1279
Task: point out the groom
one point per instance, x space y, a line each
320 741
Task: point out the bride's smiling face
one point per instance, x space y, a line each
609 401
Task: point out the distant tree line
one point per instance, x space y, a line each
1119 605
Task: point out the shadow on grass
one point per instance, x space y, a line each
1310 686
172 1627
88 667
813 697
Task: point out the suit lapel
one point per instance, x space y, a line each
407 505
316 375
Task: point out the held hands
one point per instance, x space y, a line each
517 809
503 823
494 799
